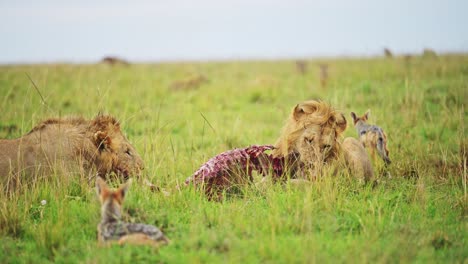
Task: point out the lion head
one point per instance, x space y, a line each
113 153
311 133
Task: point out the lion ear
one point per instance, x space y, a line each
340 123
101 140
303 109
298 112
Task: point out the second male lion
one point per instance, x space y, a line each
70 145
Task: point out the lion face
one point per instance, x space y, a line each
316 145
312 131
114 151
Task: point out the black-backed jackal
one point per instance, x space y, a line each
371 136
113 229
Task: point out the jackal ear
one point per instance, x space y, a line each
366 115
353 115
124 188
100 185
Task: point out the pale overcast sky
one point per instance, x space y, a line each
87 30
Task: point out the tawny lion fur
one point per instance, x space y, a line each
313 132
73 144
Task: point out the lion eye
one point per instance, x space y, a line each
128 152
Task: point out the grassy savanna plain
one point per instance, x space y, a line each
418 215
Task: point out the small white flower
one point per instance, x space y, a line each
43 202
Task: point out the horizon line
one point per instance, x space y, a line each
230 58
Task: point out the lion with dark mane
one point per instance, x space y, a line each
69 145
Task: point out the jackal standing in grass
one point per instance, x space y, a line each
371 136
113 229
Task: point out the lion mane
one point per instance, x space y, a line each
73 144
313 126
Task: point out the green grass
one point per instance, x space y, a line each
420 215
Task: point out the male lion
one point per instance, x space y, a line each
312 134
70 145
309 142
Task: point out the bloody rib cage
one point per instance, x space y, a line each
236 166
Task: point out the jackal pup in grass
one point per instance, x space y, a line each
113 229
371 136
